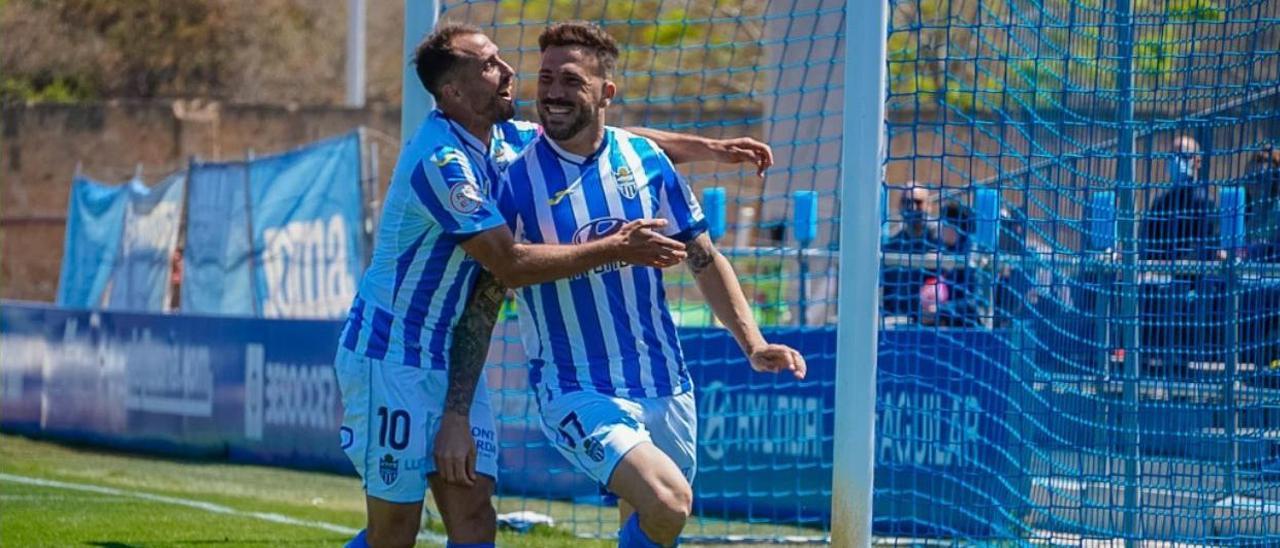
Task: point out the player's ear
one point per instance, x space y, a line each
450 90
610 89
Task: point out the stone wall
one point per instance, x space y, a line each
41 146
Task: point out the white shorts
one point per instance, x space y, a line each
594 431
391 413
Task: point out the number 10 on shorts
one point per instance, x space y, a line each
393 424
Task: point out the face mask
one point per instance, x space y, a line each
1180 169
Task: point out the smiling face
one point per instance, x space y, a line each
483 82
572 91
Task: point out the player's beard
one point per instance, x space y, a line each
503 109
489 105
496 109
582 118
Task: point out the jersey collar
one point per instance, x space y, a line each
574 158
470 141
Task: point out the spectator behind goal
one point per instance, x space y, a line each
1262 213
918 207
1182 222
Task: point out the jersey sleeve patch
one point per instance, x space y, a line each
465 198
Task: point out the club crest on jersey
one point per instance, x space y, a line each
465 198
389 469
626 182
502 155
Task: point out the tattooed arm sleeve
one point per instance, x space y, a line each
471 342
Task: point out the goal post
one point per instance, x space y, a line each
862 162
420 17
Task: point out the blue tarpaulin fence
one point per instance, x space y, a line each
140 278
277 236
95 221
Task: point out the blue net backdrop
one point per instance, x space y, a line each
1081 305
1080 278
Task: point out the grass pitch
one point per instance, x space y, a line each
56 495
53 495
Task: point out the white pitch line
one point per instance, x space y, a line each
200 505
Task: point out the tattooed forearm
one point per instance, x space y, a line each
701 255
720 287
471 342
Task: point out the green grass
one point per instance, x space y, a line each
41 516
44 516
34 515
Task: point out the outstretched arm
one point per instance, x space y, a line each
455 447
720 287
517 265
683 148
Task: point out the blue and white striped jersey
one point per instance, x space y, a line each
419 277
608 330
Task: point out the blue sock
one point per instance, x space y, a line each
359 541
632 536
452 544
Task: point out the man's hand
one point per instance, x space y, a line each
455 450
639 243
744 149
776 358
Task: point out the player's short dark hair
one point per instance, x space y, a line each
435 55
586 35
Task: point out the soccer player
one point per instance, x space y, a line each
439 226
606 366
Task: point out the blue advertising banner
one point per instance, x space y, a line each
948 410
263 391
140 278
213 386
307 220
215 263
95 217
763 436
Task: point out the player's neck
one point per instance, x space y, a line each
475 125
585 142
479 129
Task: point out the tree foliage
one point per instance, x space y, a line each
970 55
177 46
677 50
69 50
980 56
